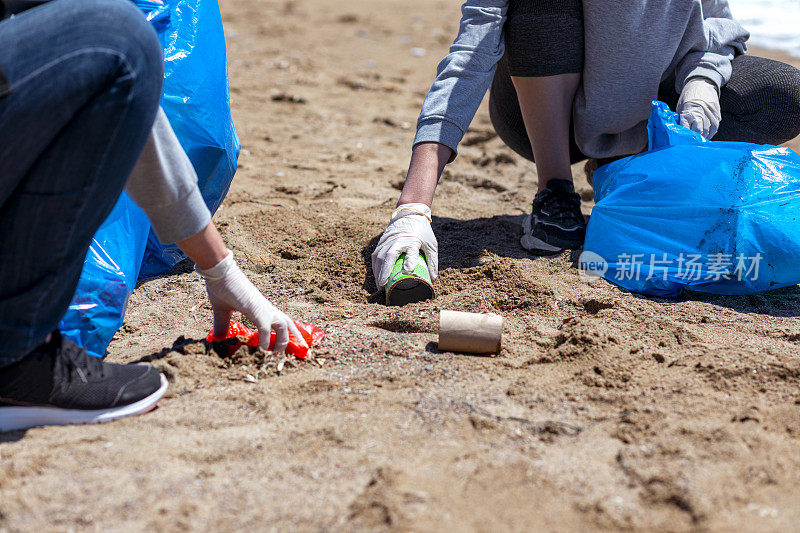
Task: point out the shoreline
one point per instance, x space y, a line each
777 55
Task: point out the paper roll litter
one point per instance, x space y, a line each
470 332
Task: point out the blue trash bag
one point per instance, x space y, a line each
109 276
196 101
717 217
157 14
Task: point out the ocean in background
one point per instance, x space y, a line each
773 24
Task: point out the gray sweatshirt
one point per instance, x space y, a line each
631 47
164 185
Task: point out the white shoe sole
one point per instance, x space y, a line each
18 418
531 243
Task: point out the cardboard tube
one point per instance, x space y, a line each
470 332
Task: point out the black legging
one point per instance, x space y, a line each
760 103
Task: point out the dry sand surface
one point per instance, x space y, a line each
605 410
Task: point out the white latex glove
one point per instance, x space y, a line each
699 107
408 232
229 290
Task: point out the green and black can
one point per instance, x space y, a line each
405 288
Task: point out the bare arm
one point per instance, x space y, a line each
205 248
427 163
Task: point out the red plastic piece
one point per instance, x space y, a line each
311 334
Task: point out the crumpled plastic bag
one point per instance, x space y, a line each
717 217
311 334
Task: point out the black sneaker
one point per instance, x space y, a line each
59 383
556 222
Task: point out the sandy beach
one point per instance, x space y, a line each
605 410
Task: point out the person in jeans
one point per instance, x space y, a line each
574 79
79 122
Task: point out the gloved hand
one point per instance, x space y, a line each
408 232
699 107
229 290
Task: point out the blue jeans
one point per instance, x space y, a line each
85 80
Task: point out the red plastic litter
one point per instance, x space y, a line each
311 334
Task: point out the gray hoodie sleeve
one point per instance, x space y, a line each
164 184
464 75
718 39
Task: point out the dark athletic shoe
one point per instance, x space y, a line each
556 222
59 383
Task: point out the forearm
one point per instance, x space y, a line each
427 163
205 248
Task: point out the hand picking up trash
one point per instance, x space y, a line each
298 345
405 266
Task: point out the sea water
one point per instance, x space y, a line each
773 24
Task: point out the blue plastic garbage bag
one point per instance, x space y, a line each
196 101
157 14
718 217
108 278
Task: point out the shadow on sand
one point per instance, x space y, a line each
463 242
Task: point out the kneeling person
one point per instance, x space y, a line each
572 80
